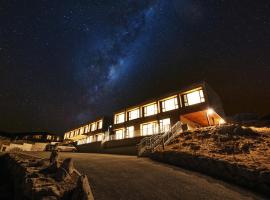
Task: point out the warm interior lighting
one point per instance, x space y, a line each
169 104
119 118
134 114
119 134
149 128
165 124
210 111
150 110
193 98
130 131
222 121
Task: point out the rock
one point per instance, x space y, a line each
54 156
82 190
61 174
68 165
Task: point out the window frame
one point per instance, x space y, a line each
148 105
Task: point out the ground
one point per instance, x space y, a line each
128 177
244 145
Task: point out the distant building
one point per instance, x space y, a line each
35 137
194 106
92 131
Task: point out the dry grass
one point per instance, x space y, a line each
248 146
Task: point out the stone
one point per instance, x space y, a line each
54 156
61 174
68 165
82 190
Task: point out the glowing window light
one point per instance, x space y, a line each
99 137
222 121
165 124
150 110
130 131
81 130
210 111
169 104
93 126
100 123
119 118
119 134
193 98
149 128
134 114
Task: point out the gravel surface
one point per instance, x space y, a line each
128 177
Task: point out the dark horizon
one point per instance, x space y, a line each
65 64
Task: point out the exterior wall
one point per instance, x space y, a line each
124 146
211 100
83 133
190 105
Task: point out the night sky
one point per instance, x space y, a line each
63 63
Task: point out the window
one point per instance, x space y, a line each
169 104
149 128
81 130
193 98
99 137
150 109
134 114
130 132
119 118
99 124
119 134
86 129
93 126
165 124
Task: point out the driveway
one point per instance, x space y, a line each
128 177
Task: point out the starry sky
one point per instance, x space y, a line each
63 63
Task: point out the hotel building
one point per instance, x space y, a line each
93 131
195 106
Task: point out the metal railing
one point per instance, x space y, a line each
151 143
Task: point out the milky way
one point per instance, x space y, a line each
65 63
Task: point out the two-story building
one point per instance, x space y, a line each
92 131
195 106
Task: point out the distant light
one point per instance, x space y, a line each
222 121
210 111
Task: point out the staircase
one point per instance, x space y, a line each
151 143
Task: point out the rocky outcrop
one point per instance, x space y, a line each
35 178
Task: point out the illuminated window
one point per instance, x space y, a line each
134 114
99 137
193 98
81 130
150 109
149 128
169 104
130 132
93 127
119 118
86 129
165 124
99 124
119 134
